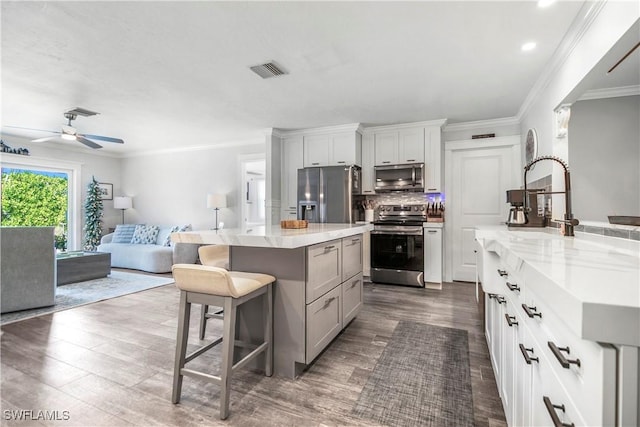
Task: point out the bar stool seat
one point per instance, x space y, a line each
202 284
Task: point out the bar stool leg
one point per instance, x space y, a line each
228 338
181 346
203 319
268 329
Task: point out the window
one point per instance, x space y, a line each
42 192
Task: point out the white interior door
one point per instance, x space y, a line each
477 196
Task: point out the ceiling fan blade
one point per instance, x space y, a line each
104 138
48 138
24 128
87 142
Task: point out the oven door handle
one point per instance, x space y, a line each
397 233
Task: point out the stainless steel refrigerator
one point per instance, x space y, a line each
325 194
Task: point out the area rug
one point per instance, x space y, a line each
76 294
421 379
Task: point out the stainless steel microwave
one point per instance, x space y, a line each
408 177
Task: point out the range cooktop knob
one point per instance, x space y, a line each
422 208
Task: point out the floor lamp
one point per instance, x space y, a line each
216 201
123 203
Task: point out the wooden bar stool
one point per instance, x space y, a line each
228 289
214 256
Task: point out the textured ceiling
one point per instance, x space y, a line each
175 74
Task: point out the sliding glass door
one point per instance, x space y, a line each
37 192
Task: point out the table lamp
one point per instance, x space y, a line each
123 203
216 201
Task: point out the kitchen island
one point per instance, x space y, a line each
318 288
562 322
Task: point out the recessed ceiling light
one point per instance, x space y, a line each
545 3
528 46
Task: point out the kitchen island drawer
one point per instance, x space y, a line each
324 268
324 322
351 256
352 297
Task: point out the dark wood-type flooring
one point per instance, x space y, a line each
111 364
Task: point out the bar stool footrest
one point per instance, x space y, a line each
201 350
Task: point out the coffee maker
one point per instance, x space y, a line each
525 210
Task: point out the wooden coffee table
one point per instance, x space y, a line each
80 266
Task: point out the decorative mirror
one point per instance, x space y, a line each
531 146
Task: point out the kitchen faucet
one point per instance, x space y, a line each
569 221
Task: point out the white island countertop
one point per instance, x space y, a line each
272 236
592 282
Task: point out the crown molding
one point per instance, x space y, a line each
429 123
505 121
235 143
587 14
613 92
349 127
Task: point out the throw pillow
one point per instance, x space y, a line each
124 233
164 236
145 235
180 228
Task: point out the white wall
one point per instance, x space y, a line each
605 157
613 20
171 188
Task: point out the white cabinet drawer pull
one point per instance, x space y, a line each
341 162
492 296
386 161
511 320
525 352
328 248
411 160
531 311
355 282
503 273
315 164
501 299
551 408
513 287
328 301
557 352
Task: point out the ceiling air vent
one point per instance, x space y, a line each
270 69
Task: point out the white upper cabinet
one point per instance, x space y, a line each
399 146
386 148
316 150
433 160
292 160
411 145
333 149
368 161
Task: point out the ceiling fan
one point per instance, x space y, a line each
71 134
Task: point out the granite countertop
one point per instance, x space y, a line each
595 280
272 236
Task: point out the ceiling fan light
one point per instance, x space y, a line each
68 137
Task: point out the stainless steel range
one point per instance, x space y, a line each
397 255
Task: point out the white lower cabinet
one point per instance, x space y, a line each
545 374
433 255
